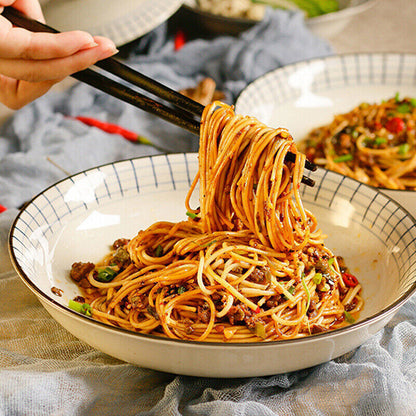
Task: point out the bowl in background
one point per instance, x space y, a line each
78 218
308 94
327 25
122 21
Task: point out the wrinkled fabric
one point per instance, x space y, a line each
44 370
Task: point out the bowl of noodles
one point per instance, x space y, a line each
228 263
354 114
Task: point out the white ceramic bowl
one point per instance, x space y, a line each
308 94
122 21
78 218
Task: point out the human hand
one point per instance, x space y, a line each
30 63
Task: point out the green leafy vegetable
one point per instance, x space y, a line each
312 8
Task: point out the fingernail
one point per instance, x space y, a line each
109 52
89 45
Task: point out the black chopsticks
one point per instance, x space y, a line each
185 113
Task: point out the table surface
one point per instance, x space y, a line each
388 26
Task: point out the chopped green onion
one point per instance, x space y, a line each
106 275
191 215
397 97
413 102
260 330
348 317
344 158
83 308
380 140
209 243
181 290
325 288
403 108
331 264
291 291
317 278
308 295
355 134
404 148
159 251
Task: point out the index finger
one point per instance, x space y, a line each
31 8
18 43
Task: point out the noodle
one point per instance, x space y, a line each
248 265
373 143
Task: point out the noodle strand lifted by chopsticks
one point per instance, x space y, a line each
248 265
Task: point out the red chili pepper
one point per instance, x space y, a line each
258 310
180 39
113 129
349 279
395 125
2 208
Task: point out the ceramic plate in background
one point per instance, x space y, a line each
79 218
122 20
308 94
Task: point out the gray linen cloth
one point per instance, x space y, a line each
46 371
